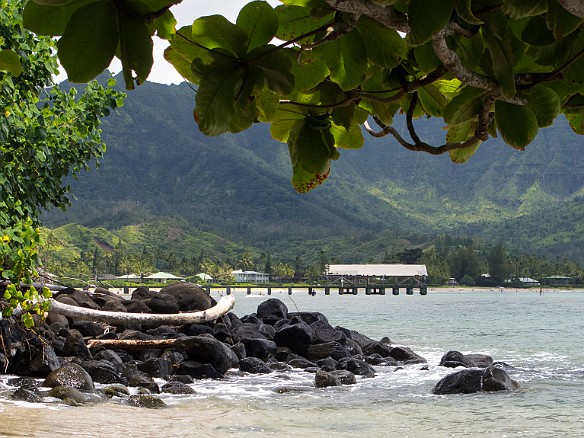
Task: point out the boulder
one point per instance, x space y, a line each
196 329
248 331
102 371
136 306
75 345
454 359
89 328
189 296
71 375
480 360
163 303
198 370
206 349
156 367
327 364
74 396
27 395
497 379
263 349
324 379
296 336
359 338
473 380
146 401
467 381
376 347
272 310
176 387
357 366
300 362
406 356
142 293
345 376
329 349
308 317
324 332
254 365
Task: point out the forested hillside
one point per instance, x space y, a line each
377 199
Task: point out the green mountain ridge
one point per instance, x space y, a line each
159 167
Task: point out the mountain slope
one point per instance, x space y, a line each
237 186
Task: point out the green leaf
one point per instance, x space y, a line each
351 138
464 106
276 66
504 55
307 3
385 47
164 26
10 61
90 41
259 21
267 103
311 147
46 19
346 58
576 122
135 50
147 7
545 104
560 21
460 156
459 133
432 100
427 17
216 99
426 57
516 123
182 52
464 10
295 21
309 70
537 33
524 8
216 31
27 320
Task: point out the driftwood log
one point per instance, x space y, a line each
132 344
224 305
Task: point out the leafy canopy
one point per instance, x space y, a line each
46 134
321 72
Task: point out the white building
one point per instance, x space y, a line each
250 277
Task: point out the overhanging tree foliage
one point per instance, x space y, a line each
46 134
320 70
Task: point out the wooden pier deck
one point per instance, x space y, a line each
313 290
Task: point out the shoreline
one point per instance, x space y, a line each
263 290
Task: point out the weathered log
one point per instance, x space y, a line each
131 344
224 305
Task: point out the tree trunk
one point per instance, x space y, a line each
224 305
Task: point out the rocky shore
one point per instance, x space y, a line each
63 358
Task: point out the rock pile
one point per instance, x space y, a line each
271 339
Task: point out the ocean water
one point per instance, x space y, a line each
540 336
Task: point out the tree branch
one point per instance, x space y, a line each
386 15
224 305
453 63
574 7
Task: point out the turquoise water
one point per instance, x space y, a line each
540 336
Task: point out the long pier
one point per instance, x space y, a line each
326 290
